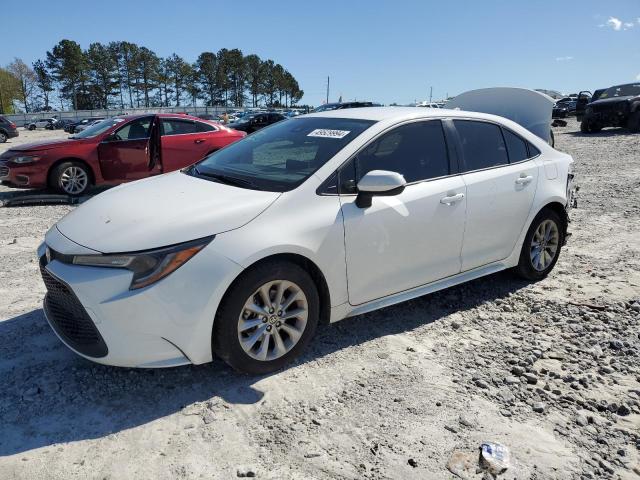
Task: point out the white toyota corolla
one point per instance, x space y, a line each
313 219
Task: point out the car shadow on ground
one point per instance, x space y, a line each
609 132
50 395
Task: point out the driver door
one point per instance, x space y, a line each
411 239
581 104
126 154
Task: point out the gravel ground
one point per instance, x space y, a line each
551 370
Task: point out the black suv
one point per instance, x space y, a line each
617 106
7 129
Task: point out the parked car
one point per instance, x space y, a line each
113 151
341 105
429 105
254 122
617 106
46 123
560 110
313 219
8 129
71 128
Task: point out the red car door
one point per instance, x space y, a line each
183 142
126 154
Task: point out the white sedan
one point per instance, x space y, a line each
314 219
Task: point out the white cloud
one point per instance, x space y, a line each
614 23
563 59
628 25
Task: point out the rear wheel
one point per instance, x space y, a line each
71 178
541 247
267 318
3 137
32 127
633 124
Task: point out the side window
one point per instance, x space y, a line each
482 144
204 127
533 151
417 150
171 126
136 129
516 146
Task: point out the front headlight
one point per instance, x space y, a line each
24 159
150 266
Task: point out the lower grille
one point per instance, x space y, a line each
69 318
4 172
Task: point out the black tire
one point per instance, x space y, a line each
3 137
56 180
633 123
226 342
525 268
32 127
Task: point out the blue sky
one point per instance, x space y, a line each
387 51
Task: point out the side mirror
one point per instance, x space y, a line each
380 183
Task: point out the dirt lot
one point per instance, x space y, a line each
551 370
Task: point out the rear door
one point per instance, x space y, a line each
183 142
501 180
125 155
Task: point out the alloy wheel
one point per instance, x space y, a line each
544 245
273 320
74 180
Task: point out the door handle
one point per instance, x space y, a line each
199 140
452 199
524 180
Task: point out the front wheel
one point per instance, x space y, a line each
267 318
32 127
71 178
541 247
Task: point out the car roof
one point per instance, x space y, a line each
396 113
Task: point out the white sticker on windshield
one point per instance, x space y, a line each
326 133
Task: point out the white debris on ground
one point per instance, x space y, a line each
550 370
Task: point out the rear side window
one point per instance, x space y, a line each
533 151
204 127
417 150
172 126
482 144
516 147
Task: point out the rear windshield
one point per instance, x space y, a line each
631 90
281 157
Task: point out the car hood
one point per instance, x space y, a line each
161 211
63 142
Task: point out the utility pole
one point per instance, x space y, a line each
327 89
430 94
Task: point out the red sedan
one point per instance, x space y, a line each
116 150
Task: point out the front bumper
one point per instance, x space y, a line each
166 324
13 133
30 175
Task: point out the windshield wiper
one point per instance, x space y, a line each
222 178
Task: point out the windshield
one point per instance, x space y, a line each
98 128
281 157
630 90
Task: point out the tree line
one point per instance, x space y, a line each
125 75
